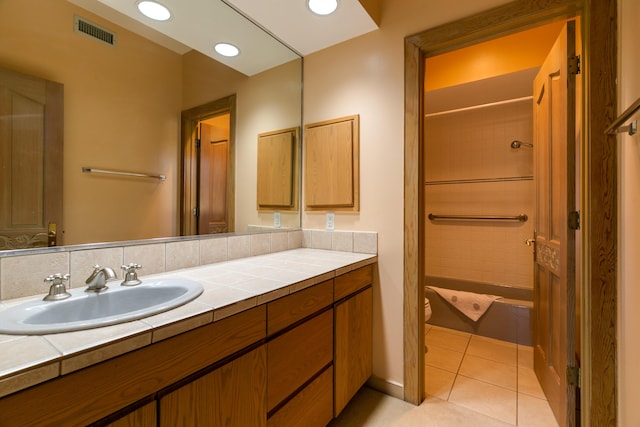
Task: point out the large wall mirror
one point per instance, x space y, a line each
122 106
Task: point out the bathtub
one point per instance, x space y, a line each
509 319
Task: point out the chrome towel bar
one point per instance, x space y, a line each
111 172
520 218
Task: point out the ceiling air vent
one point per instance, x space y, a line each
94 31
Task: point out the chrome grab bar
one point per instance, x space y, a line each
520 218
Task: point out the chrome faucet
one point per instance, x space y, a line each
97 282
131 274
57 290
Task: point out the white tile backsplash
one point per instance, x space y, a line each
23 275
82 263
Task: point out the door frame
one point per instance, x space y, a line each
188 158
598 256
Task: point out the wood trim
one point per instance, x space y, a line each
601 215
497 22
413 225
599 183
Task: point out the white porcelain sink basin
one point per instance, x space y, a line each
85 310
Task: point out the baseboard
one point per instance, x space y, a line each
387 387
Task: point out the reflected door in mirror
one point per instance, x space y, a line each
214 170
31 129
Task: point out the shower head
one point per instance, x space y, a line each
517 144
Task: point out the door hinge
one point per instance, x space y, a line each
198 143
574 64
574 220
573 376
196 211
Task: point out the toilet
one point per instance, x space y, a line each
427 316
427 310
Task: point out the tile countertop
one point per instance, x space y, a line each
229 288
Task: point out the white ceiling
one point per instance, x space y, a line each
199 24
292 22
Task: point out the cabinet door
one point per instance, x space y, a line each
232 395
353 346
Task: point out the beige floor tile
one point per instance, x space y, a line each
534 412
451 331
444 358
445 339
525 356
495 373
372 409
438 382
434 412
528 383
487 399
491 349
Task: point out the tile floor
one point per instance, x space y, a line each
471 381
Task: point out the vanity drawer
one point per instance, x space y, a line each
348 283
296 356
312 407
288 310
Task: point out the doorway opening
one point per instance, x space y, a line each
480 200
598 301
208 168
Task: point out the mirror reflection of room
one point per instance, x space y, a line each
122 108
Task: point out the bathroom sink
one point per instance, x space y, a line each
85 310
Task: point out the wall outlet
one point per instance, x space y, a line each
331 221
276 220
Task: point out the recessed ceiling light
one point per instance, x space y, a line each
322 7
226 49
154 10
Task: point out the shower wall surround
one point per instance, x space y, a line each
23 275
471 169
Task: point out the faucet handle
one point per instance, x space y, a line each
131 274
57 290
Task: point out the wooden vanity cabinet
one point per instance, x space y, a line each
295 361
107 388
353 339
300 355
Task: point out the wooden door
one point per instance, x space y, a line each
554 278
31 124
214 167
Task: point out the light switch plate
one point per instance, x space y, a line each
331 221
276 220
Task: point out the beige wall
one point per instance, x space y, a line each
366 76
629 226
122 107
